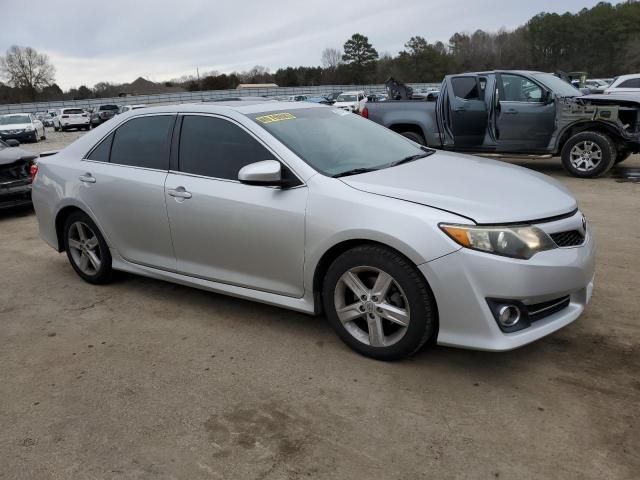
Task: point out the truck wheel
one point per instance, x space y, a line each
622 155
588 154
413 136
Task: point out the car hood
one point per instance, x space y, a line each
14 126
13 154
486 191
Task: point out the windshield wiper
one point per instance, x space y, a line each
354 171
411 158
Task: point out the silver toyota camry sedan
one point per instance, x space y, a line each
318 210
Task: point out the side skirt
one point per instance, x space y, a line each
304 304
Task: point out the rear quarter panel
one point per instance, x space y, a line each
407 112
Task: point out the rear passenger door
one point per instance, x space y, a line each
245 235
467 113
122 182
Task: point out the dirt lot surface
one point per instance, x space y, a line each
144 379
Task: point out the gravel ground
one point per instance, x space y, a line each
144 379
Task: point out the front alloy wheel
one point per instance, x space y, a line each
371 306
379 303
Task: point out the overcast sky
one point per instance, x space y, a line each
118 41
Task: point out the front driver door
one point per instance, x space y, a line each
223 230
467 110
524 119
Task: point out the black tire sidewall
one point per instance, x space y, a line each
605 144
104 274
423 312
416 137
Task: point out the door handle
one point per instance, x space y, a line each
87 178
459 109
511 111
179 192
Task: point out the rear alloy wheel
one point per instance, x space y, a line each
86 249
588 154
378 303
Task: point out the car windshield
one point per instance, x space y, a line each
346 98
108 107
14 119
557 85
333 141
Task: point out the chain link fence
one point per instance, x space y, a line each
196 97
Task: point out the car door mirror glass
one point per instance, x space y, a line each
265 173
12 142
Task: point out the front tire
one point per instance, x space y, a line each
378 303
86 249
588 154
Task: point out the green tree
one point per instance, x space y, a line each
361 57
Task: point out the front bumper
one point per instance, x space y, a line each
14 194
463 281
21 136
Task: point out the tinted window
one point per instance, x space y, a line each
108 107
217 148
520 89
465 87
143 142
73 110
101 152
632 83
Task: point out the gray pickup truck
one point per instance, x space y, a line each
519 113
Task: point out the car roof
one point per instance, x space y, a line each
243 107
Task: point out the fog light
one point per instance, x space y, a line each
508 315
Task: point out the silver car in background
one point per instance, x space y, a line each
317 210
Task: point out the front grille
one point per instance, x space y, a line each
570 238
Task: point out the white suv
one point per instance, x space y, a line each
351 101
625 84
67 118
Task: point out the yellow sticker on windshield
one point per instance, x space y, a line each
275 117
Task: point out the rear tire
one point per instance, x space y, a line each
415 137
87 249
588 154
393 316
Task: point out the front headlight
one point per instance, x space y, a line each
29 128
522 241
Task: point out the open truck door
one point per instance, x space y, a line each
463 112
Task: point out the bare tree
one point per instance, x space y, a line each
331 57
25 68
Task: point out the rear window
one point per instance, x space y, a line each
73 111
108 107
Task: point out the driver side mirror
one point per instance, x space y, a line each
12 142
267 173
548 97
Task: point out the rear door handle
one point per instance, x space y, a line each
179 192
87 178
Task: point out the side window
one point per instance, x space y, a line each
631 83
143 142
101 152
217 148
466 88
519 89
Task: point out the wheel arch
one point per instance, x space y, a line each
338 249
63 214
409 127
588 126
